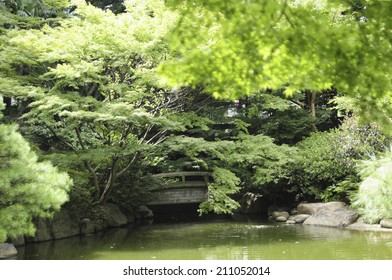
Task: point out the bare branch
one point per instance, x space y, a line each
160 133
146 134
160 140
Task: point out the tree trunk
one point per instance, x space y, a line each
312 106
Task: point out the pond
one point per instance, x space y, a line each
217 239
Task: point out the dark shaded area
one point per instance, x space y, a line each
116 6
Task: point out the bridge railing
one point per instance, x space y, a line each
184 179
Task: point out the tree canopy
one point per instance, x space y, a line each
245 90
236 48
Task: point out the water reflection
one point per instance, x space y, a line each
217 240
325 233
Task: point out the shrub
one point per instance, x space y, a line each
326 166
317 166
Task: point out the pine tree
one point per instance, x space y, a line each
28 188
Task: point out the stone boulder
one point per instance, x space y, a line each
64 224
87 227
300 218
7 250
19 241
143 213
281 219
276 214
332 214
311 208
43 231
115 218
280 216
386 223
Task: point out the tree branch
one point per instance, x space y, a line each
299 103
95 177
126 168
78 135
59 138
87 164
110 181
160 133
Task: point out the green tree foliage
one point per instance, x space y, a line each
28 188
235 48
90 87
194 154
82 83
318 166
224 184
288 120
242 163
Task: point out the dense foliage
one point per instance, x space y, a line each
96 99
112 92
235 48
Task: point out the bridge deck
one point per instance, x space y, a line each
186 188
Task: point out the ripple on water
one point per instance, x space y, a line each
217 240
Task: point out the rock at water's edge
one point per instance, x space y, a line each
386 223
332 216
277 214
87 227
43 231
281 219
311 208
300 218
7 250
64 224
115 217
18 241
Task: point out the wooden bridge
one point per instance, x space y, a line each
181 188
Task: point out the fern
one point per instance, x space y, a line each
374 198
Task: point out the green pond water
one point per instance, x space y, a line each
217 240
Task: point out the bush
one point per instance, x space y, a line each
326 166
317 166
